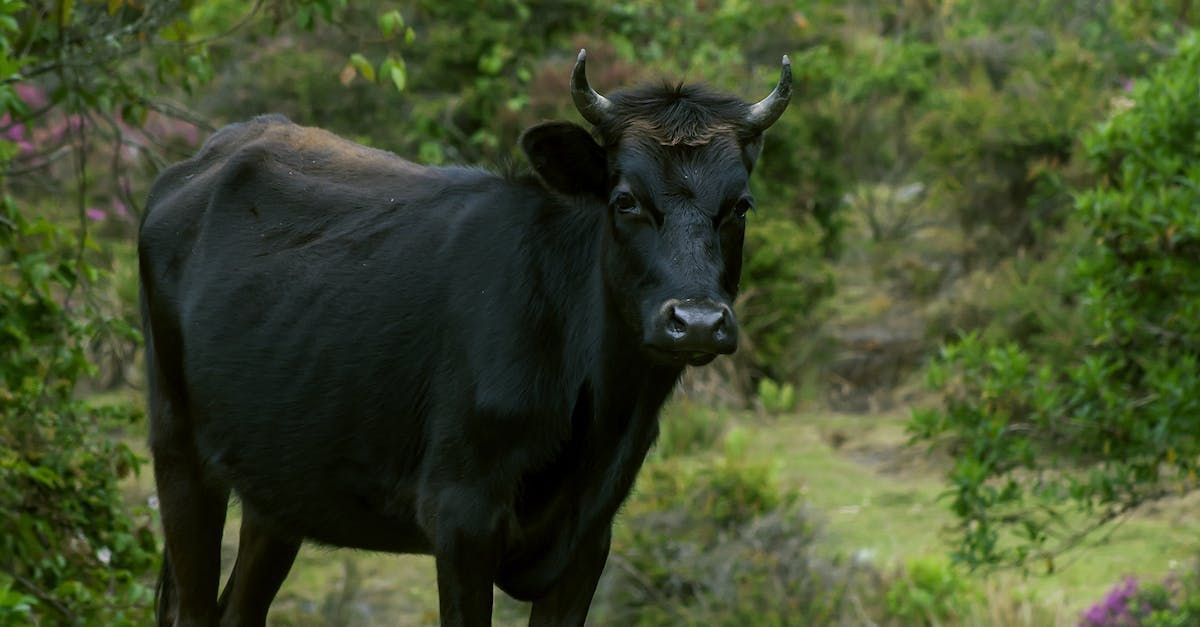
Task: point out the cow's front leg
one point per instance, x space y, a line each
470 530
568 601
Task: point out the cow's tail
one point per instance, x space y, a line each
164 594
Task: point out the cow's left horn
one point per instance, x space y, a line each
592 106
764 113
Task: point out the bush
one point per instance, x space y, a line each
776 398
786 280
69 550
1055 438
930 591
722 544
1171 602
686 428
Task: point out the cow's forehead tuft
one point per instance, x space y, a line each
684 115
679 134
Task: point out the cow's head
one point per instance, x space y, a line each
672 166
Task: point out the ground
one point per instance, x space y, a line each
879 498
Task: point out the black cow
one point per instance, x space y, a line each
446 361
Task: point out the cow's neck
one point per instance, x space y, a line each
622 390
614 424
614 417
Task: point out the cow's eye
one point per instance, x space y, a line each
743 206
625 203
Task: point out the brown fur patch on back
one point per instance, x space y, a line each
306 140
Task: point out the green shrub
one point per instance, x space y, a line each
786 280
722 544
776 398
1054 438
1020 83
1027 299
929 591
687 428
733 491
1172 602
70 552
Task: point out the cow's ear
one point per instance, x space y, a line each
566 158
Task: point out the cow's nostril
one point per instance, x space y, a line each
721 330
676 326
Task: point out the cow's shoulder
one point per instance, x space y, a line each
213 154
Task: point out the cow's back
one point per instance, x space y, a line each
304 280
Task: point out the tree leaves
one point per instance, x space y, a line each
392 68
1082 430
363 66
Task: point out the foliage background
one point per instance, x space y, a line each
998 196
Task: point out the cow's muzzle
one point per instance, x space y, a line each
694 331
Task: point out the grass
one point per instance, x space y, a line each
852 469
879 498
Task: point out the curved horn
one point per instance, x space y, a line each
764 113
592 106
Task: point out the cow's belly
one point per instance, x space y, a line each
342 509
335 515
323 495
356 527
329 486
534 574
341 514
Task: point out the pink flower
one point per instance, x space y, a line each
31 95
120 209
15 133
94 214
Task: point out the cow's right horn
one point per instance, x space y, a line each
592 106
764 113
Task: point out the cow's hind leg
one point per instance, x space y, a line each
193 515
263 562
192 509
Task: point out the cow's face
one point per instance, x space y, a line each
672 169
677 218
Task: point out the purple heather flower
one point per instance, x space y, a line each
1113 610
